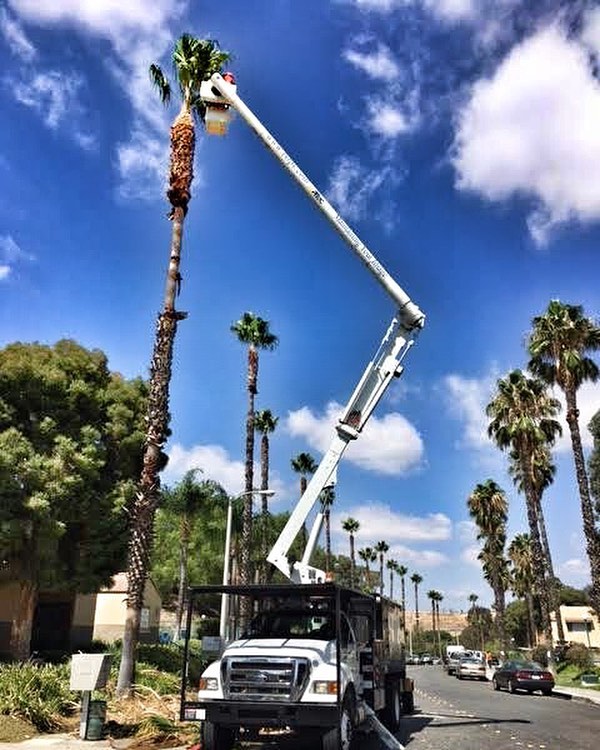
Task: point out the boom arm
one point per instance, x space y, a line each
378 374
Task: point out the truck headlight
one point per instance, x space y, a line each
208 683
325 687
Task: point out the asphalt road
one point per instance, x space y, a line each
469 715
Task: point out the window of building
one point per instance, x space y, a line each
580 627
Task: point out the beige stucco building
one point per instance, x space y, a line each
63 622
580 625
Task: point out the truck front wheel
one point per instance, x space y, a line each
340 736
217 737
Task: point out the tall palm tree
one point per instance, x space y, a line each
402 570
520 554
194 60
264 423
304 464
439 597
416 579
391 565
367 555
351 526
327 498
488 507
381 548
431 596
522 416
254 332
543 470
559 344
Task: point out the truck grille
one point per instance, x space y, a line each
264 679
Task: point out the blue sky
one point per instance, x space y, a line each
459 138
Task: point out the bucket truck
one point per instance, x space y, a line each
316 657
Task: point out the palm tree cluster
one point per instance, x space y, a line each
488 507
366 580
435 597
523 422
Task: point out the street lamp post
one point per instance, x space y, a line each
224 596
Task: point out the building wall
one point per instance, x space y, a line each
580 626
111 610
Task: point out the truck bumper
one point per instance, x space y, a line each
269 714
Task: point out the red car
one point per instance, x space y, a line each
523 675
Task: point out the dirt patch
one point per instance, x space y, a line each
14 729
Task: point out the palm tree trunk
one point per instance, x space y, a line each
264 485
184 535
592 535
416 606
531 617
403 586
554 595
352 561
391 584
245 572
538 554
499 603
146 501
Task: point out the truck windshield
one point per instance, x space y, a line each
291 624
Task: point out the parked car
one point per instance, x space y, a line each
470 667
523 675
426 659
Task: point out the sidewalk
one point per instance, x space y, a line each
584 694
70 742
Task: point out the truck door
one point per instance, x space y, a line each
349 646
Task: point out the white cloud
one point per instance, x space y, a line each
54 95
386 119
466 531
469 555
588 403
467 399
379 521
379 65
574 572
531 130
452 10
10 256
142 163
110 18
591 30
16 38
139 34
216 464
389 445
352 186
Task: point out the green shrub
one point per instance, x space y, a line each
163 683
40 695
540 654
579 655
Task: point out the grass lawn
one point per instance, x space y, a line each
570 676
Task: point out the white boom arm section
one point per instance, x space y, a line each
385 365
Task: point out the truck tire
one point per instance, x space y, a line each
393 707
217 737
340 736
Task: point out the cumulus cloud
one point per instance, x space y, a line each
444 10
466 399
138 32
216 464
531 130
15 37
11 255
386 119
575 571
379 521
352 186
389 445
379 65
142 163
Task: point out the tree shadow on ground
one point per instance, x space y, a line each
415 723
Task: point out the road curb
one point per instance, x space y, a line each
385 735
